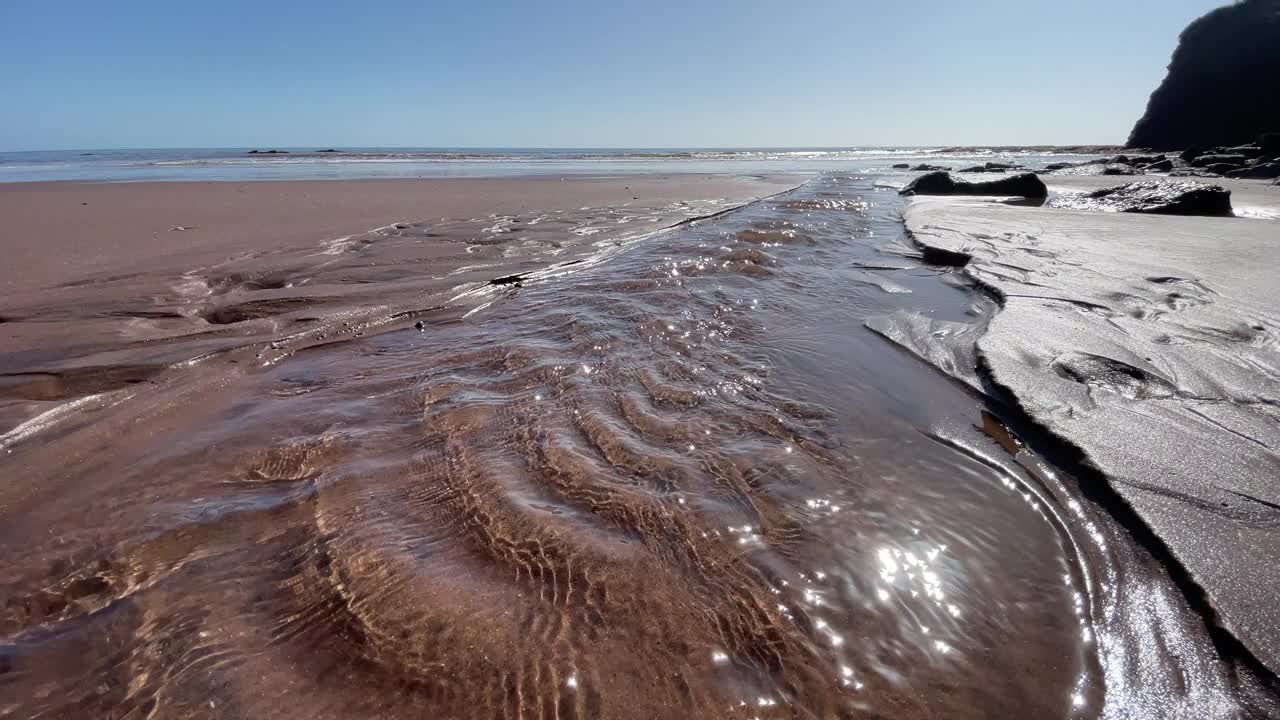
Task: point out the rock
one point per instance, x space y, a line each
1056 166
1117 169
1219 159
1193 152
1215 91
1139 160
268 152
1160 197
1221 168
901 166
929 168
1261 171
330 150
1159 166
992 167
1249 151
941 183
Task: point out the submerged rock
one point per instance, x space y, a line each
1161 197
992 167
928 168
1216 91
901 166
941 183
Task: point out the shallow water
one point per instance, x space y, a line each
676 478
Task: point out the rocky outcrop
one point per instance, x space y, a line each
1217 90
1167 197
1261 171
941 183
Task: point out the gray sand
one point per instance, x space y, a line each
1151 343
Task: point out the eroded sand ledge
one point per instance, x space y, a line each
1151 344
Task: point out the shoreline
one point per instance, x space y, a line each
1115 337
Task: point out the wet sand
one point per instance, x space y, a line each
106 284
577 459
1148 345
58 232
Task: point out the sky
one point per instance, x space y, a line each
600 73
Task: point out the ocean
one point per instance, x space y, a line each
230 164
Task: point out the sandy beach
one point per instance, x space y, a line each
539 449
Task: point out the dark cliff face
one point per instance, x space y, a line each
1223 86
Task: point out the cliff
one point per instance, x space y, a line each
1221 86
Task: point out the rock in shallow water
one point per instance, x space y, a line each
941 183
1160 197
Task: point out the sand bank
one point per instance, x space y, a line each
107 284
1152 345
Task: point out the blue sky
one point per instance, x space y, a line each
607 73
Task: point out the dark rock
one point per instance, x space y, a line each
1249 151
418 325
1140 160
330 150
902 166
1159 166
941 183
1056 166
1162 197
1118 169
268 152
1262 171
1216 90
929 168
1193 152
992 167
1221 168
1270 144
1219 159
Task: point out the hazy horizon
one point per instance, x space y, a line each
504 75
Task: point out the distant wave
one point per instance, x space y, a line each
534 156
